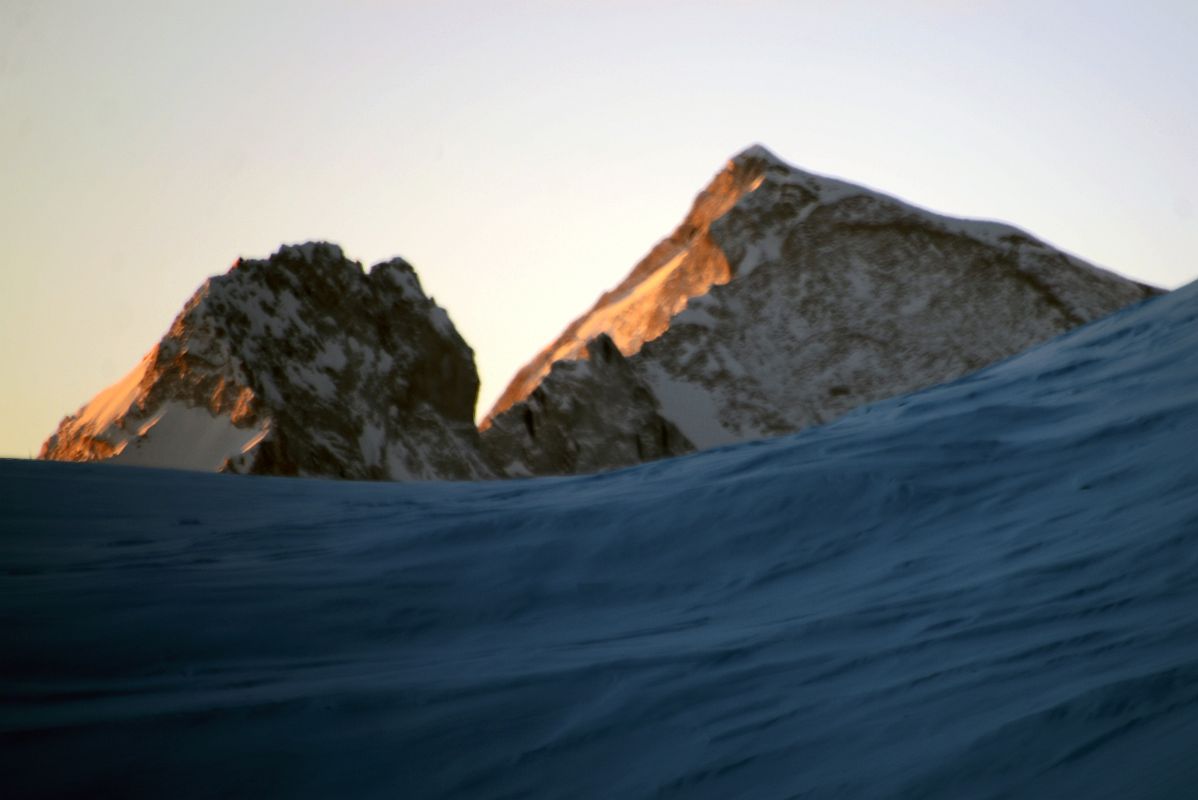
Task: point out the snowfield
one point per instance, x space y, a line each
986 589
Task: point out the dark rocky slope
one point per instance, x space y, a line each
300 364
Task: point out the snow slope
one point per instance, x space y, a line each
986 589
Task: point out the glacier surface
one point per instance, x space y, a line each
985 589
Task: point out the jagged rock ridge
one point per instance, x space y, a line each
551 433
300 364
784 300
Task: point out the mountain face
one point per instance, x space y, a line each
551 433
784 300
300 364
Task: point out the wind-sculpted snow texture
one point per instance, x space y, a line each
786 299
987 589
301 364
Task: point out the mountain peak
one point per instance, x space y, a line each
310 252
785 299
300 363
757 153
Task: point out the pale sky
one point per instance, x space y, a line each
524 155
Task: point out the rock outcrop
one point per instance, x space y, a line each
300 364
587 415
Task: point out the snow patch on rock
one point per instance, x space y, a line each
185 437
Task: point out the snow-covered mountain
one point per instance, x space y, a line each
784 300
300 364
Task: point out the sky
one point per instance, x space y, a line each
523 156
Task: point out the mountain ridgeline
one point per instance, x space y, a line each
783 300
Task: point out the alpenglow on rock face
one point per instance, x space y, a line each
300 364
784 300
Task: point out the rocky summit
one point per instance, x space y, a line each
784 300
299 364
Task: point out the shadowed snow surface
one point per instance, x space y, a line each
986 589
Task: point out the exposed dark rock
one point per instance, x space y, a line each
300 364
587 415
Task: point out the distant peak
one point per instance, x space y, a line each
396 263
296 260
756 153
311 251
401 274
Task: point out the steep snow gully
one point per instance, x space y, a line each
989 588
